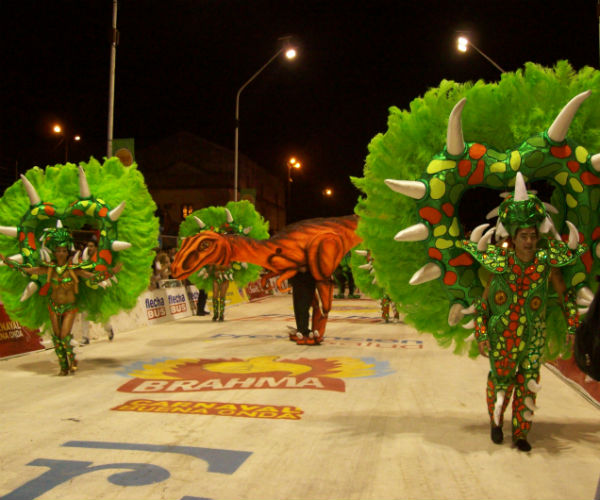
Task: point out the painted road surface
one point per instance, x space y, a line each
199 410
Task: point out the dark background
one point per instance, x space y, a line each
181 62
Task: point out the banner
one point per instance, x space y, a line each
16 339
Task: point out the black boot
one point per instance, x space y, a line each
497 434
522 445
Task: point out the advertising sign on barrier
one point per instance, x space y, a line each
156 305
16 339
179 304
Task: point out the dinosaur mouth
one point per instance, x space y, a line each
182 270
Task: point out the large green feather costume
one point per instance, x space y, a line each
245 220
115 191
504 126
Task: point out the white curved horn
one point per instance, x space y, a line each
455 143
595 161
455 315
550 208
546 226
501 231
559 128
229 216
573 235
477 232
116 212
201 224
117 245
414 189
366 266
492 213
469 310
34 198
498 406
84 189
520 188
485 240
533 386
30 289
428 272
363 253
585 293
470 325
9 231
246 230
530 404
418 232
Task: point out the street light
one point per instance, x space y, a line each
292 163
290 53
462 43
58 129
328 192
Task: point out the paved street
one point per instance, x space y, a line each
193 409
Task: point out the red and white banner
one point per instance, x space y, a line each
16 339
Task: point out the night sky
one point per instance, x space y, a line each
181 62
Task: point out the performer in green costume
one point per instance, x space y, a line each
235 218
510 321
37 236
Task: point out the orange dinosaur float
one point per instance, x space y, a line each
317 244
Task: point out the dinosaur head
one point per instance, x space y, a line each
199 250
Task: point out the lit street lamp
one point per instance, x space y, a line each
292 163
463 43
290 53
58 129
328 192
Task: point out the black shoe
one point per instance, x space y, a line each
111 335
522 445
497 434
84 341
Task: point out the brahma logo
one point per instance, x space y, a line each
264 372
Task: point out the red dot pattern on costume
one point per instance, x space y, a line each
573 166
448 209
450 278
561 151
434 253
464 259
430 214
477 176
589 179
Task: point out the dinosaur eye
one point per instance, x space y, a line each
204 245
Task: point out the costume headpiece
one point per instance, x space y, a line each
522 209
58 237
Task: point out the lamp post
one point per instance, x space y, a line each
290 53
462 45
58 129
292 163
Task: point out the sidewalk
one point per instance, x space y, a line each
194 409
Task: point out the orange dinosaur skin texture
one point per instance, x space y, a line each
315 244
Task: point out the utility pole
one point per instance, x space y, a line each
111 86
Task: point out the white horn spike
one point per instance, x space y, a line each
550 208
520 188
455 143
117 245
85 255
75 257
546 226
246 230
559 128
418 232
363 253
470 325
530 404
595 161
201 224
16 258
477 232
427 273
59 224
498 406
455 315
469 310
414 189
501 231
9 231
84 189
374 281
116 212
229 216
34 198
470 338
30 289
365 266
485 240
585 293
46 257
533 386
573 235
492 213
